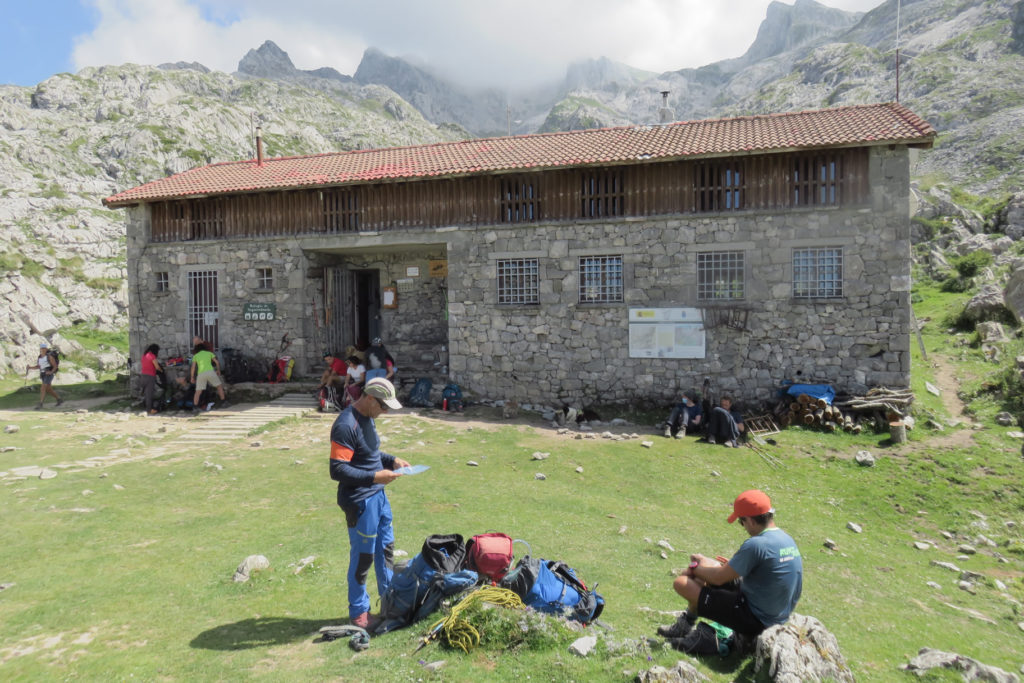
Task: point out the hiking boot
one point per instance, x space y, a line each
59 401
680 629
668 432
733 444
711 440
681 433
366 621
39 406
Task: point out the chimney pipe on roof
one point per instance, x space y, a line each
664 114
259 146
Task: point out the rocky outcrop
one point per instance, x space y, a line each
800 650
970 669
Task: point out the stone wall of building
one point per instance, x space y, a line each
563 351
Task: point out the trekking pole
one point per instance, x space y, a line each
765 455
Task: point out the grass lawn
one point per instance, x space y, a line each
125 571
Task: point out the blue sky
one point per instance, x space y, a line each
494 42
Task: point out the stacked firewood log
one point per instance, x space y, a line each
875 410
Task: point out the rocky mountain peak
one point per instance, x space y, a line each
267 61
787 27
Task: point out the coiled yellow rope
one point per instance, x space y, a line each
460 633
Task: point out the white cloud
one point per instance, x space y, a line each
496 42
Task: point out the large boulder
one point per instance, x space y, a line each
1013 295
970 669
1012 217
800 650
987 304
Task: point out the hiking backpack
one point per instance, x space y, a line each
417 589
489 555
53 355
327 400
451 397
553 587
420 394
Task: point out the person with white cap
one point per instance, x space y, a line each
47 364
362 471
755 589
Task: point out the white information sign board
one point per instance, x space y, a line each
666 333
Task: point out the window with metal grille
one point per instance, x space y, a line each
264 278
163 282
203 311
817 180
340 210
602 194
518 281
720 275
818 273
520 200
600 279
719 186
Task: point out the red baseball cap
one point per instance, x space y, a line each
750 504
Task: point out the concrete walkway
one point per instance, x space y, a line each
236 422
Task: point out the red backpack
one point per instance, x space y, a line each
489 555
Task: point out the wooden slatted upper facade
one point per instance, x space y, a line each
774 162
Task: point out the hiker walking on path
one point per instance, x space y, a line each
205 370
362 471
150 368
47 364
757 588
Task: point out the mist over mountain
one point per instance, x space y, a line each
76 138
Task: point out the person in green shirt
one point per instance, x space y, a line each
205 371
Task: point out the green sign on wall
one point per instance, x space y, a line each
259 311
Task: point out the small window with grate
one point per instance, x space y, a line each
520 200
720 186
818 273
264 278
602 194
720 276
518 281
817 180
600 279
340 210
163 282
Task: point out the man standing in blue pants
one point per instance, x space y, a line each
362 471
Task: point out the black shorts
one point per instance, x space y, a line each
728 608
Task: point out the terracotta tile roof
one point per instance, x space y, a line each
875 124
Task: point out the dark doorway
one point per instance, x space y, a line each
351 307
366 310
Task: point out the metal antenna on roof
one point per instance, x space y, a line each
664 114
897 51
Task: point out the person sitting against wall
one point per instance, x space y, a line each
376 359
725 425
335 372
684 418
355 377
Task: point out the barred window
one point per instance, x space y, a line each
163 282
720 275
520 200
719 186
264 278
818 273
600 279
602 194
518 281
340 209
817 180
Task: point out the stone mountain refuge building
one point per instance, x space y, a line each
592 266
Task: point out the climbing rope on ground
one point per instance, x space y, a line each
458 632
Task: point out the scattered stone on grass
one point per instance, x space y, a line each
981 539
666 545
583 646
607 435
865 459
118 487
256 444
473 463
972 613
946 565
212 466
1015 435
249 565
715 473
932 389
647 444
5 586
966 549
622 529
830 544
435 666
800 650
562 430
921 545
1005 419
537 455
303 563
579 470
682 672
970 669
932 584
47 473
12 429
946 535
854 527
539 476
967 586
87 492
7 449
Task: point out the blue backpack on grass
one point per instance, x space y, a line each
417 589
553 587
